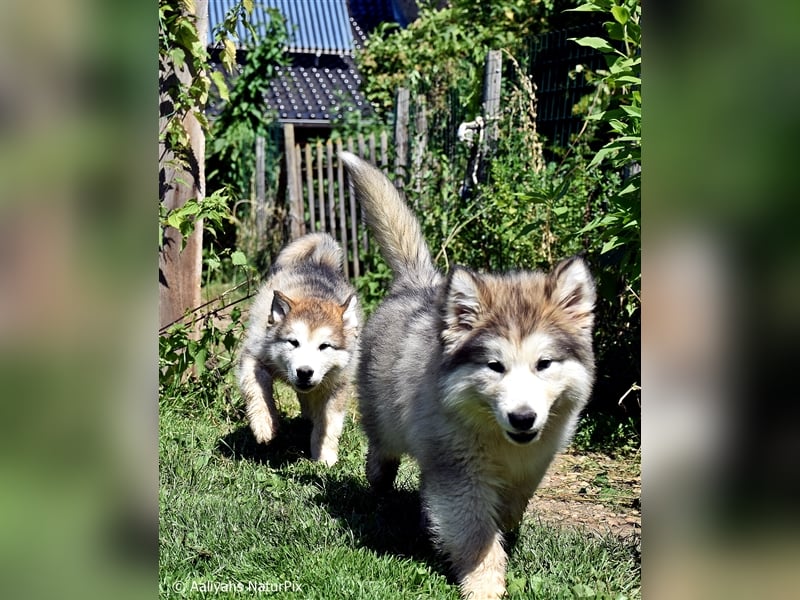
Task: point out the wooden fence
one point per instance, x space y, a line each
319 197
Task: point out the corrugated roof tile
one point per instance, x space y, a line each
314 26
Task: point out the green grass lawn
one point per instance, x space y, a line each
242 520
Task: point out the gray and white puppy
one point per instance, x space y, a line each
479 377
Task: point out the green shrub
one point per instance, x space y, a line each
616 230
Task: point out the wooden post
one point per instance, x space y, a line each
292 181
491 101
179 271
401 137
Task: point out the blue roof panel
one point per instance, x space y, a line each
314 26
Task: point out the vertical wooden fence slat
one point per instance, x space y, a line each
420 145
362 146
310 185
320 188
300 208
292 181
373 158
331 189
353 216
401 137
373 155
342 211
385 152
260 207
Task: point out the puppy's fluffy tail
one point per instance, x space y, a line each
318 248
391 221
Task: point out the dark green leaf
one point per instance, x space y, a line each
530 227
562 189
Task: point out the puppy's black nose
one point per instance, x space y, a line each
522 421
305 373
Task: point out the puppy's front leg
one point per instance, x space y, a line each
483 575
327 416
256 385
462 523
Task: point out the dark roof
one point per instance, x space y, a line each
314 26
322 82
316 90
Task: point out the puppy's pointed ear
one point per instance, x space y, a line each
462 305
281 305
350 313
573 290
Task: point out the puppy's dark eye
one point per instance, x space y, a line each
543 364
325 346
293 342
496 366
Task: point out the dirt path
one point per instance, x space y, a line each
594 492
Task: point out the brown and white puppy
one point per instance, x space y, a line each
303 329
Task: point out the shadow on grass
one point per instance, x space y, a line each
389 524
290 445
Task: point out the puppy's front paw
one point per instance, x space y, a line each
483 590
327 456
262 430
